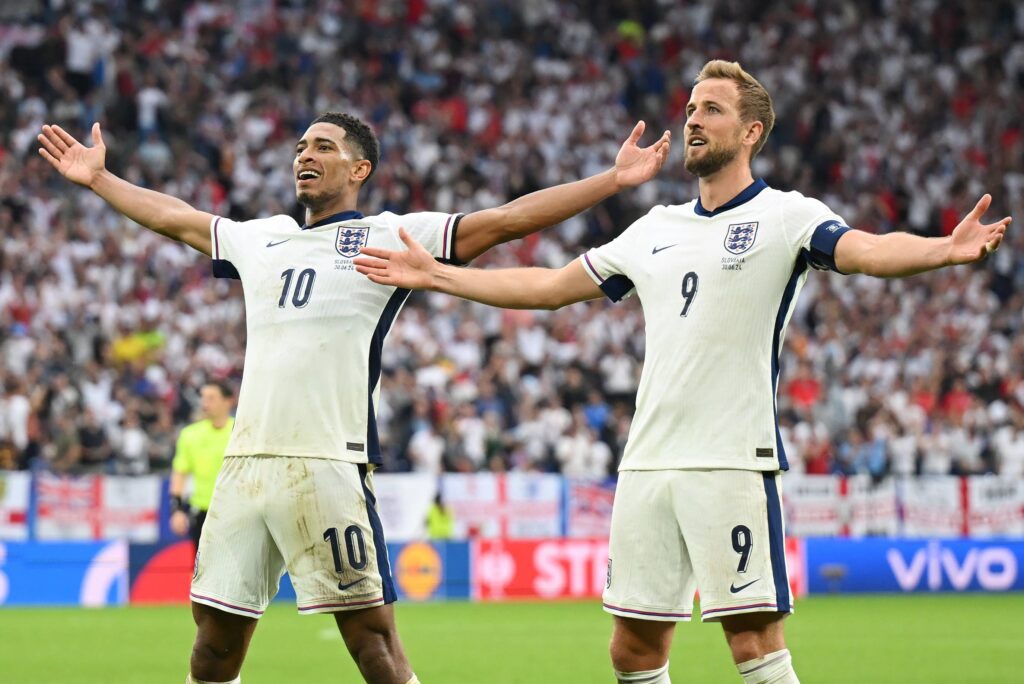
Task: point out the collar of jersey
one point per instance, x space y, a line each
347 215
749 193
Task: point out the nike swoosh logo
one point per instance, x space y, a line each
275 244
733 589
662 249
343 587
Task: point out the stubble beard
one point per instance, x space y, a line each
314 202
714 160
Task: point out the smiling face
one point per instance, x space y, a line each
326 167
716 135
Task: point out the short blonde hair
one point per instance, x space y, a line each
755 102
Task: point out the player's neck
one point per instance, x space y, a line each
219 423
722 186
345 203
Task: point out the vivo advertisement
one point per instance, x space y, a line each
900 566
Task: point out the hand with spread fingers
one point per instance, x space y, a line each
72 159
973 240
635 165
412 269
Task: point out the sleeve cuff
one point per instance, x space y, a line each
822 252
615 287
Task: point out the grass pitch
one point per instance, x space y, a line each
835 640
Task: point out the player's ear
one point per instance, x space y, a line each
361 170
753 133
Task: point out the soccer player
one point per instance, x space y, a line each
698 500
296 487
200 453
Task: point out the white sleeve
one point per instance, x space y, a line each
814 231
234 243
609 265
433 229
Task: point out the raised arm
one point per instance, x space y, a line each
86 166
509 288
634 165
896 255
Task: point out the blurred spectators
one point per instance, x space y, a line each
107 331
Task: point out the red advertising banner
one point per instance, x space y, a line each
538 568
567 568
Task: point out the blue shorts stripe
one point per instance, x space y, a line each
379 544
777 544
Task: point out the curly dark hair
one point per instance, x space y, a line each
358 134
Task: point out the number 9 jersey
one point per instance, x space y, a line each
315 328
717 290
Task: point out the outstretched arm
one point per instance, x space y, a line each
509 288
86 166
634 165
896 255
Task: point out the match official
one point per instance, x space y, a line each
199 453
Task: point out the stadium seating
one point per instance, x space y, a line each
107 331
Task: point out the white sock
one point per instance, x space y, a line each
773 668
192 680
659 676
414 680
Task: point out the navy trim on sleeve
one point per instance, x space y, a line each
222 268
452 258
616 287
822 254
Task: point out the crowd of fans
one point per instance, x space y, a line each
898 114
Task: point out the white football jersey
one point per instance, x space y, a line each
717 289
315 328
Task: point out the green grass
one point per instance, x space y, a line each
933 639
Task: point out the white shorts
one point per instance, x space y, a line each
675 532
314 516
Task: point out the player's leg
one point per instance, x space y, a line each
732 522
328 529
222 640
372 640
237 570
640 649
650 582
759 648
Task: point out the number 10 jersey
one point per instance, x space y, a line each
315 328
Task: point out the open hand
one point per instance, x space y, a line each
973 240
634 164
74 161
412 269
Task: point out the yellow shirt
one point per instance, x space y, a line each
440 523
200 452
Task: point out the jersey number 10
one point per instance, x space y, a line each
303 288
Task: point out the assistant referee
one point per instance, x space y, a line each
199 453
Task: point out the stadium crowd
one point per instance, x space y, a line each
899 114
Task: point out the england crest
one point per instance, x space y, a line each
740 237
351 240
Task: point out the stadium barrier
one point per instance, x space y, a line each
115 573
529 506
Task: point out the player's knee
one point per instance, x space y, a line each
208 653
753 635
631 655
